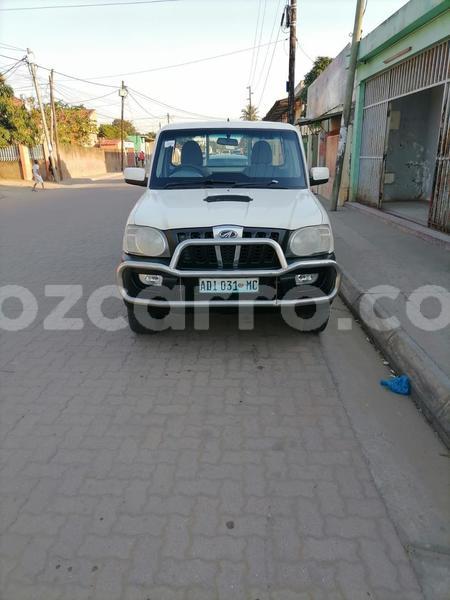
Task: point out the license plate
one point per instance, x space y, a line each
230 286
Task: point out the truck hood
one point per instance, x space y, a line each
178 209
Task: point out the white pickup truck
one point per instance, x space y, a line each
227 219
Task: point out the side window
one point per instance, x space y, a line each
277 152
176 155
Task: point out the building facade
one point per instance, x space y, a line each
401 147
320 127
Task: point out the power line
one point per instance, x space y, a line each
64 94
142 107
113 87
173 107
254 43
268 47
183 64
259 41
92 80
79 78
66 75
268 70
17 8
12 68
304 53
11 47
89 99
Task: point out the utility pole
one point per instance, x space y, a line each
123 93
168 119
249 87
32 69
54 135
292 48
346 111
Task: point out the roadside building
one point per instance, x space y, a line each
400 155
138 141
113 146
320 126
279 111
142 143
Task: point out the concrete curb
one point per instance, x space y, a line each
430 385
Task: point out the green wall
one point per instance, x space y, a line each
419 24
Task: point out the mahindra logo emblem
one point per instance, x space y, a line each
228 234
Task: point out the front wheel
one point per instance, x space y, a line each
319 329
314 318
140 318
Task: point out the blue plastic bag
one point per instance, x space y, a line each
398 385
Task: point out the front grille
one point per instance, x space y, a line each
258 256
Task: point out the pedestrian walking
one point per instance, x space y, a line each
37 176
141 157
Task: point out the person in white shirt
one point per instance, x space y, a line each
37 176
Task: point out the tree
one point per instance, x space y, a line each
128 127
17 124
112 130
319 65
74 123
249 113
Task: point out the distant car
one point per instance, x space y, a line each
227 219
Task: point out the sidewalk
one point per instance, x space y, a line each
76 181
373 251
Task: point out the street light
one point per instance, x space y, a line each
123 93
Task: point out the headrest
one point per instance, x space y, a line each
191 154
261 153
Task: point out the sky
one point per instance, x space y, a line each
102 43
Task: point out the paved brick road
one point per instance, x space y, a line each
189 465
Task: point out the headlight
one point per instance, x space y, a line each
317 239
145 241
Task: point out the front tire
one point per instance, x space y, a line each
319 329
311 313
139 315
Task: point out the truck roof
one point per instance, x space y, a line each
230 125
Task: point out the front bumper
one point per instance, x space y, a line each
181 285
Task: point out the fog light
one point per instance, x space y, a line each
148 279
304 278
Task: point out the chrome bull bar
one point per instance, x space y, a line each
172 269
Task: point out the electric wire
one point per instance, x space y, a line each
268 47
182 64
11 47
268 70
259 41
154 100
254 43
23 8
142 107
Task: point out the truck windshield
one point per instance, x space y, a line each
264 158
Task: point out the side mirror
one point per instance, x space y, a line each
135 176
319 175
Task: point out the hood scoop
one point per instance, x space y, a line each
228 198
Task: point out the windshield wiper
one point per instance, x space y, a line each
260 184
183 184
199 183
212 181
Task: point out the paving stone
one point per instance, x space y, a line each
191 465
